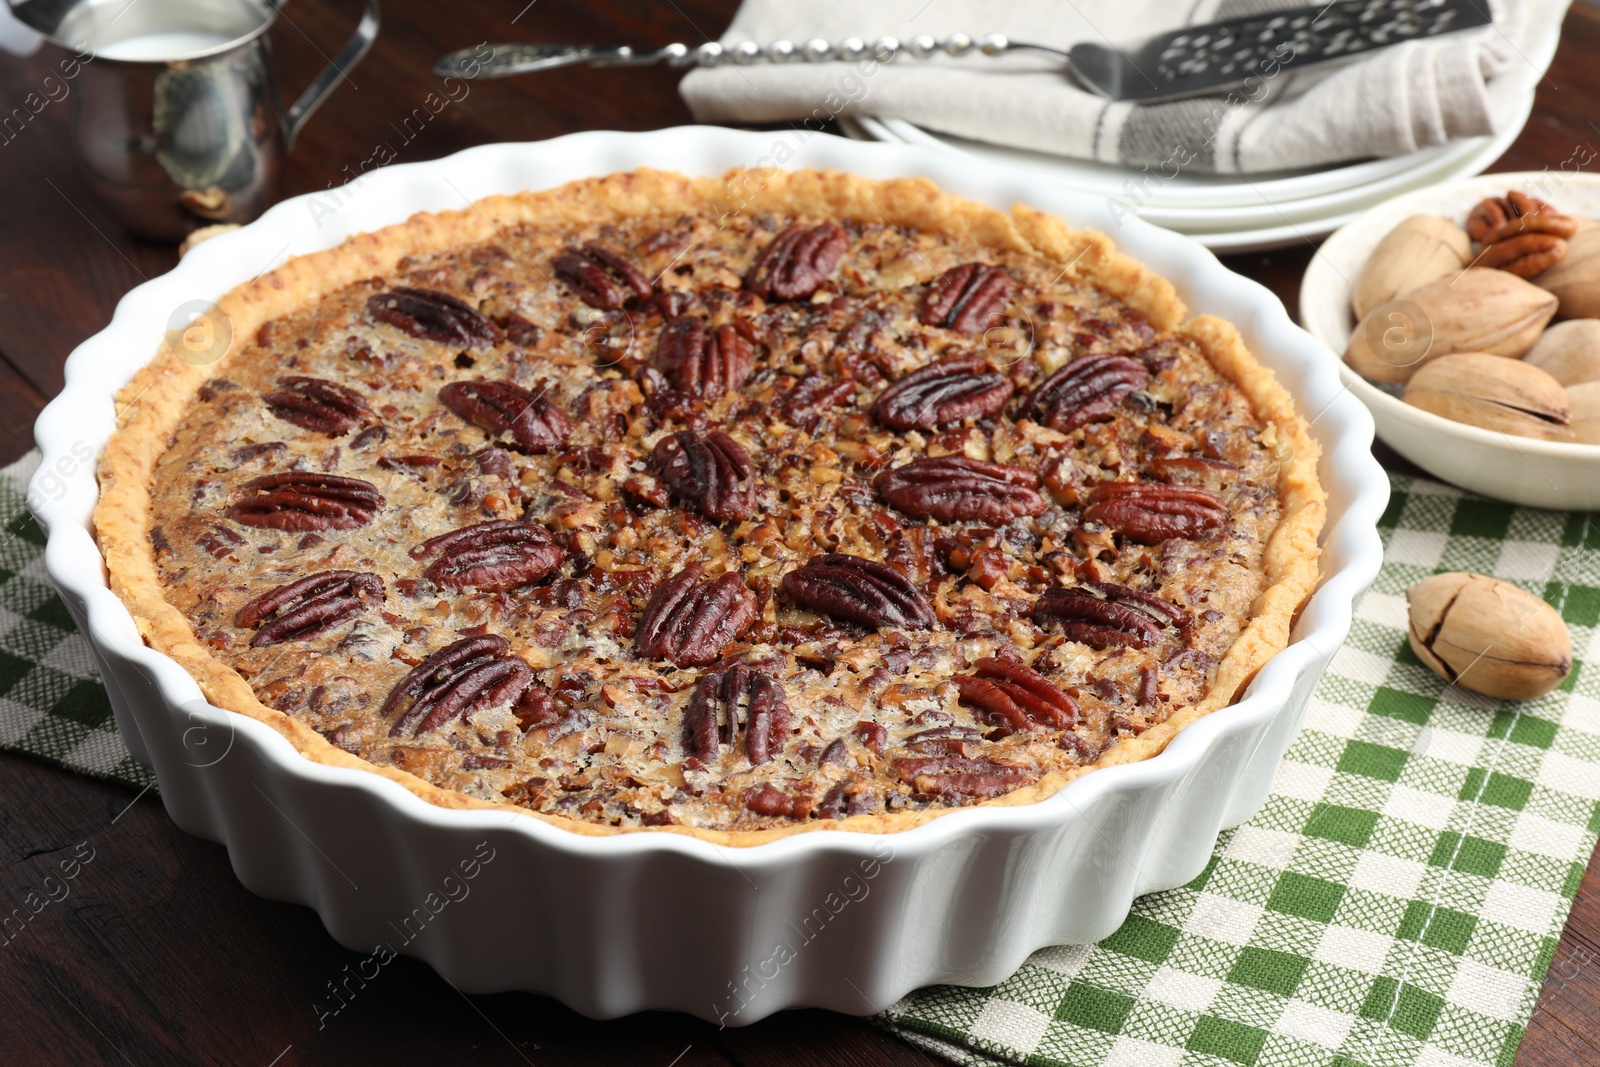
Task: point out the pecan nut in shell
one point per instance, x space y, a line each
309 607
687 622
302 501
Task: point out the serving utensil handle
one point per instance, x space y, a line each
504 60
1188 61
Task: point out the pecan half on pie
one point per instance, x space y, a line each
734 507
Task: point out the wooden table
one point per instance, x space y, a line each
159 955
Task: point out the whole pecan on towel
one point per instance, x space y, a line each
1014 697
315 404
602 278
968 299
311 606
797 261
535 423
1520 234
712 474
687 621
470 675
1152 512
434 316
958 489
490 556
1105 615
1082 391
943 394
702 360
860 591
300 501
712 717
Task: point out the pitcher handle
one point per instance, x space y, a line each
323 84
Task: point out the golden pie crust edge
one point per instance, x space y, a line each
159 395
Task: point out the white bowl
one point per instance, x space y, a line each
612 925
1521 470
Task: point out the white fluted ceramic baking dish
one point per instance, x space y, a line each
612 925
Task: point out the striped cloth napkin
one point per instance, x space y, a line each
1390 102
1397 900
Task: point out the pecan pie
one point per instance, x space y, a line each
733 507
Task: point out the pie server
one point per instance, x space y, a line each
1190 61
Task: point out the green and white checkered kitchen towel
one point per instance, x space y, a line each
52 704
1399 897
1396 901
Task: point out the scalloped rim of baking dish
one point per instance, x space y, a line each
84 414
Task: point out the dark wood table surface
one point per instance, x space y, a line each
159 955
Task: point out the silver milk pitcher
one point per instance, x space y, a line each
177 122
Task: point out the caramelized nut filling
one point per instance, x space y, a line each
720 522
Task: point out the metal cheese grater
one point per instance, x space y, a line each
1197 59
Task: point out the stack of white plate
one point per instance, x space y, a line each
1235 212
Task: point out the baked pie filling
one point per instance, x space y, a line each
636 511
